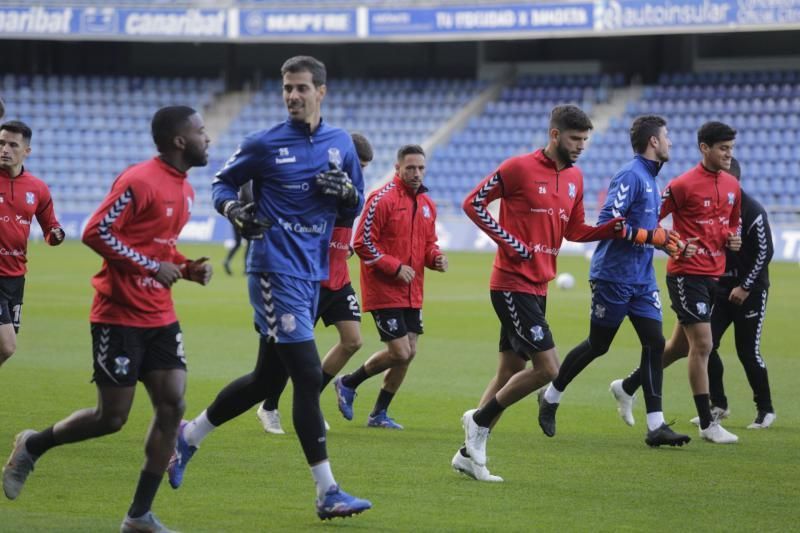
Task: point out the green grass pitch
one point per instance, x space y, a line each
595 475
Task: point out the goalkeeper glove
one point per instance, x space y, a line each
243 216
657 237
336 182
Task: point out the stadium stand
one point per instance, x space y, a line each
389 112
512 124
88 129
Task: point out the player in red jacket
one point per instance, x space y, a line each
542 203
22 197
337 305
396 241
705 204
135 333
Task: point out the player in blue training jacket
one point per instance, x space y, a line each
304 173
623 282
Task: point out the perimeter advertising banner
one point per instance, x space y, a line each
503 21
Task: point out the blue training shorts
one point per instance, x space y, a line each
612 302
284 306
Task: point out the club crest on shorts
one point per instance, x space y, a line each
121 365
572 190
702 308
600 311
392 324
537 333
288 322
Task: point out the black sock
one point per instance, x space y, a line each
701 401
270 404
382 404
484 416
716 370
632 383
463 451
41 442
145 493
326 378
356 378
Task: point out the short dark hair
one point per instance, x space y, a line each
167 123
736 169
715 132
306 64
363 147
17 126
409 149
643 128
570 117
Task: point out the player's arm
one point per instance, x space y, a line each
578 231
345 183
246 163
759 234
367 242
734 240
434 258
45 215
476 207
101 233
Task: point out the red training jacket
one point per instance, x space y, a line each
21 199
706 205
134 229
338 253
540 207
397 227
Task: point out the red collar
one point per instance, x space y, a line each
169 169
4 174
542 158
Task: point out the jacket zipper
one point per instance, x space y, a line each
413 218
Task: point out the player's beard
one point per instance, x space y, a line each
196 156
563 154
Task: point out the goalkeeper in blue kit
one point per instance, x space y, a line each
623 282
304 174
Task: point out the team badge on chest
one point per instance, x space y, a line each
572 190
30 199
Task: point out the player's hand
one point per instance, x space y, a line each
198 270
243 216
405 274
440 263
734 243
336 182
738 295
56 236
674 246
350 251
691 247
168 273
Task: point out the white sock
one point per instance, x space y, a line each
552 394
198 429
323 477
654 420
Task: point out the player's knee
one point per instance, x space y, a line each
599 347
112 422
7 349
171 412
402 355
703 347
352 344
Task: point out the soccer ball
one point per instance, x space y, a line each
565 281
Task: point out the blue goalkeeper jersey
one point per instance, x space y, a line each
634 194
282 162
